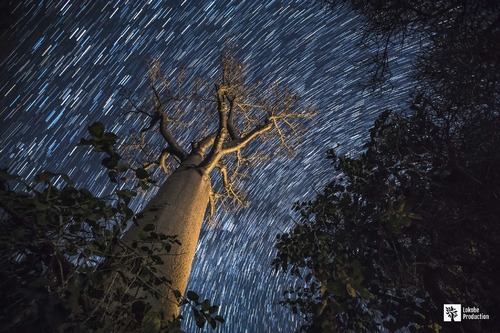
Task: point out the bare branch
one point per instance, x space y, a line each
233 131
216 152
231 193
136 109
235 145
161 162
244 113
203 145
174 147
276 111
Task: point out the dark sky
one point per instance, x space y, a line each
64 62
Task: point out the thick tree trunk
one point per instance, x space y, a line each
177 209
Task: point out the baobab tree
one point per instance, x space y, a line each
227 117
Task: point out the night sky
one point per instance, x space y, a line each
64 63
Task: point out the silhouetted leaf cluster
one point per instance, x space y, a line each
64 266
412 222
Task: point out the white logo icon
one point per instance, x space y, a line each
452 312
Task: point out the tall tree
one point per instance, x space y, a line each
228 117
70 260
412 222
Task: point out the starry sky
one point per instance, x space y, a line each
64 63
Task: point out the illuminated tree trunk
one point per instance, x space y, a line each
180 205
177 209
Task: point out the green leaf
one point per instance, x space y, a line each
112 176
141 173
44 177
199 319
177 294
350 290
121 168
365 293
192 295
126 195
213 309
167 247
110 137
110 162
97 129
85 142
205 305
5 175
66 179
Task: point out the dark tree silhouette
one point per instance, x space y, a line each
412 223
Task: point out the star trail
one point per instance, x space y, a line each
64 63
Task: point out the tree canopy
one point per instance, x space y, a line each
412 222
225 116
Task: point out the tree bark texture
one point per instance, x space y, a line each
177 209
